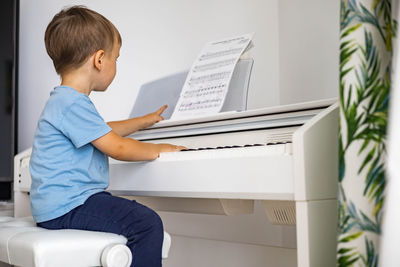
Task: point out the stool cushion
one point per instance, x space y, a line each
22 243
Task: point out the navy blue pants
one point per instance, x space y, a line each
106 213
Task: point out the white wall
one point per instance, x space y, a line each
187 252
296 59
308 50
159 38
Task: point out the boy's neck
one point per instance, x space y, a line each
78 80
78 86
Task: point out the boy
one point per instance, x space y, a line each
69 163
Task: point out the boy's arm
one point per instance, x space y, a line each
128 149
126 127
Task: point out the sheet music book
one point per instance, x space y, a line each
207 83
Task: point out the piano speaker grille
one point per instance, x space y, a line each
281 212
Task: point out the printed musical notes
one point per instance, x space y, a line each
208 80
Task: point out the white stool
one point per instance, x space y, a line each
22 243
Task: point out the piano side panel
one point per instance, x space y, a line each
260 177
316 233
315 154
22 184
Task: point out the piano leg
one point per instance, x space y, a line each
22 206
316 233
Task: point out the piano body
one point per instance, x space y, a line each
282 160
279 161
284 157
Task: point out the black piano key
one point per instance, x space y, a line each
233 146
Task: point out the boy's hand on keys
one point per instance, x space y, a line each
170 148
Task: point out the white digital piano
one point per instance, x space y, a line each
284 159
285 156
280 161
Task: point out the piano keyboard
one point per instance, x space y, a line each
232 140
252 150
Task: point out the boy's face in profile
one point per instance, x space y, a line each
108 72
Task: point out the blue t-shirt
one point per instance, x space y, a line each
66 168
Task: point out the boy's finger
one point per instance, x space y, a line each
161 110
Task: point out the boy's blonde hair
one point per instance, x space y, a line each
75 33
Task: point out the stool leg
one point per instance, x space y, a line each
166 245
116 255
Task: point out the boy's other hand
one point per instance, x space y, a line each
170 148
154 117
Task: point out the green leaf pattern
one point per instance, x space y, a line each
367 29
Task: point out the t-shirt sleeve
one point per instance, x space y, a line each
82 123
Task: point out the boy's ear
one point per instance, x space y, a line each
98 59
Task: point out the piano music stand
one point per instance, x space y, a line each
154 94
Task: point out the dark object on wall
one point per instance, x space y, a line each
9 13
5 190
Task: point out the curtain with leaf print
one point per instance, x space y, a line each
367 29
